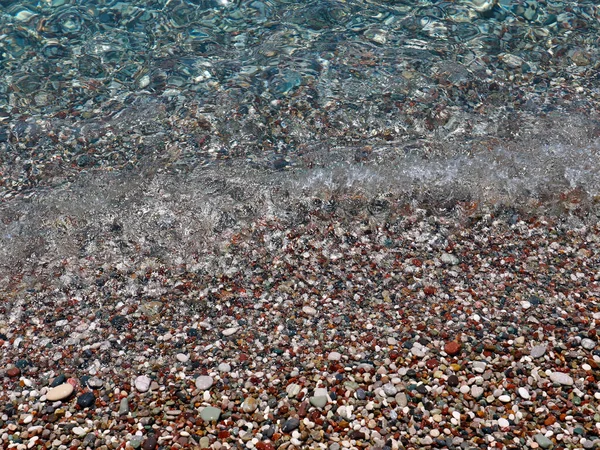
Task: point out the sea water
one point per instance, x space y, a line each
162 127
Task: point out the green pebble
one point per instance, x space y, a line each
543 441
210 414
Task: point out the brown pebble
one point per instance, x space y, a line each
452 348
13 372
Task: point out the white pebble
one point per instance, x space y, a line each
503 423
142 383
334 356
523 392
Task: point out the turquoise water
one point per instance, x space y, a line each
195 117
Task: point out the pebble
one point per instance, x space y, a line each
524 393
86 400
561 378
334 356
95 383
59 392
452 348
182 357
13 372
210 414
204 382
543 441
503 423
142 383
309 310
538 351
290 425
230 331
250 405
479 366
224 367
124 406
588 344
476 391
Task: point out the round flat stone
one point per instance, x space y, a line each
452 381
224 367
182 357
452 348
142 383
59 392
204 382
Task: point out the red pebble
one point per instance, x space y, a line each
429 290
432 363
13 372
73 382
452 348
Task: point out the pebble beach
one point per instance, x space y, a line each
423 333
308 224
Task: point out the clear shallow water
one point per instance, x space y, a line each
172 121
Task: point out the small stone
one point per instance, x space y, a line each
479 366
60 392
204 442
204 382
537 351
250 405
453 381
452 348
543 441
79 431
401 399
561 378
124 406
230 331
224 367
318 401
210 414
503 423
13 372
504 398
86 400
309 310
150 443
476 391
524 393
588 344
95 383
389 389
290 425
142 383
334 356
58 380
182 357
